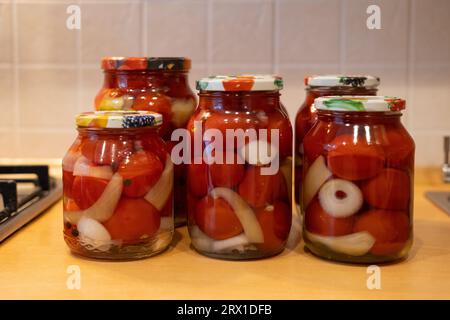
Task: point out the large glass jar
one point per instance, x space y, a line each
358 180
320 86
155 84
118 186
239 179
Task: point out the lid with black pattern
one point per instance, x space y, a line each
146 63
118 119
362 81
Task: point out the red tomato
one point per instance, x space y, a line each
233 121
388 190
279 121
105 152
398 147
133 220
197 178
67 183
140 172
217 219
389 228
275 223
157 146
157 102
355 160
87 190
226 175
317 140
260 190
319 222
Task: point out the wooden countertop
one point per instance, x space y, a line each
34 263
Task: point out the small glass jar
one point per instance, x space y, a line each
239 178
118 187
320 86
358 180
158 84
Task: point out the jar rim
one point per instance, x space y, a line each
120 119
357 104
244 82
341 80
164 64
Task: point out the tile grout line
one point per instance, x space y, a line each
71 1
275 35
16 82
343 37
410 59
144 23
209 25
389 66
79 62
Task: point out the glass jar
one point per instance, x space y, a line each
358 180
320 86
118 186
155 84
239 178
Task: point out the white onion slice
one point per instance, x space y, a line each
355 244
340 207
104 207
93 234
166 224
84 168
245 214
317 174
204 243
160 192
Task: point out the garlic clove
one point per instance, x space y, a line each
93 234
258 152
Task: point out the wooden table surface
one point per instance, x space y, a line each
34 264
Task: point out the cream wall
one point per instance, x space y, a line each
49 73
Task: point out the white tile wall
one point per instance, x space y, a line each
49 73
6 33
241 32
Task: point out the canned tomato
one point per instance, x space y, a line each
319 86
358 180
118 186
158 84
239 178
